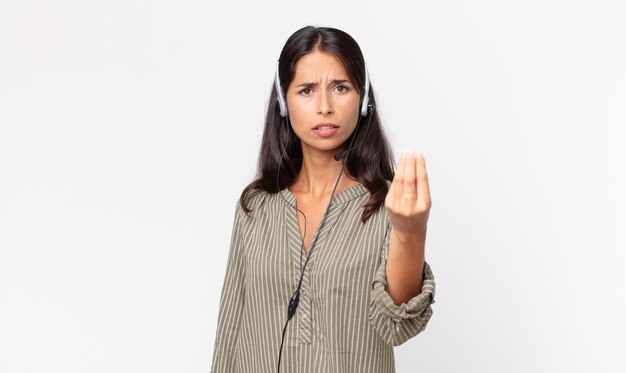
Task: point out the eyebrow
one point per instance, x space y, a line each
312 85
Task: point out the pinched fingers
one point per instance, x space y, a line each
409 189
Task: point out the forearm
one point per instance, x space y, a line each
405 264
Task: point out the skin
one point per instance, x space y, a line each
322 92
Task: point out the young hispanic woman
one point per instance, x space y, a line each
321 277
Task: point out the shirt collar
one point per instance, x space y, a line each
344 196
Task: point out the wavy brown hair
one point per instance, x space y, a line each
370 161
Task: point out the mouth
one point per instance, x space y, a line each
325 126
325 129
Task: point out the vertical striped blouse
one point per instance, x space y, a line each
346 320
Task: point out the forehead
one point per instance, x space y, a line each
317 65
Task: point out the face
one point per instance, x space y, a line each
323 103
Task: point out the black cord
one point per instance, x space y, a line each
282 340
295 298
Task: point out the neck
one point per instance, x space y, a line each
319 173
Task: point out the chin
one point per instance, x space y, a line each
331 148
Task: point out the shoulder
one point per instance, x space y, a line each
257 201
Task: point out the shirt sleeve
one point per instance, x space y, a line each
397 324
231 302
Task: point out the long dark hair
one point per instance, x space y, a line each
370 161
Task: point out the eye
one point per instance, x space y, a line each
305 91
342 89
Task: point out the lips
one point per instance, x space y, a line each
324 126
325 129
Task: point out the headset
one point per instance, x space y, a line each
366 108
282 102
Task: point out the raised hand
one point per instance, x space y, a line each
408 206
408 200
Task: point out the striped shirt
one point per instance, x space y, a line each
345 322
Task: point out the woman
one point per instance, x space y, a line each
321 277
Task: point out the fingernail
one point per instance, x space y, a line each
408 153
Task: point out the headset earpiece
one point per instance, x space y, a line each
366 94
282 104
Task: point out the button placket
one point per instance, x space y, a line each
305 326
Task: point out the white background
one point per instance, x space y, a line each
129 128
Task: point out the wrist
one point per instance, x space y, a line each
403 236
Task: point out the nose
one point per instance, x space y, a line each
325 104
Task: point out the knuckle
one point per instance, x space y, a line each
425 205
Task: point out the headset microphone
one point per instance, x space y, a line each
341 155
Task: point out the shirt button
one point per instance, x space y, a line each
303 292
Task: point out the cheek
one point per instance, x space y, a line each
299 114
299 121
351 113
